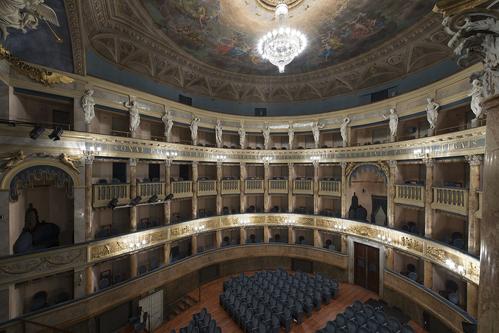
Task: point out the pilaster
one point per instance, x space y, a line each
391 193
134 265
242 236
266 234
316 187
475 162
195 188
89 232
242 177
166 253
266 195
132 171
317 239
428 197
219 239
219 187
291 235
89 280
194 244
167 206
428 274
291 177
344 199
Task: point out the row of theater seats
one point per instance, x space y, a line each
201 323
371 317
269 300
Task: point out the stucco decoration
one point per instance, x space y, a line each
133 110
88 104
207 48
432 112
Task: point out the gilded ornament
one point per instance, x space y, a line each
10 160
72 162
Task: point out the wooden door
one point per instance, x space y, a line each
366 267
153 305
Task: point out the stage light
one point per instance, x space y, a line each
169 197
153 199
135 201
36 132
56 134
113 203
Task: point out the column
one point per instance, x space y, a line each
317 239
344 199
291 177
472 299
134 265
194 244
428 274
219 239
80 205
344 244
389 263
475 162
291 235
266 234
219 187
428 212
242 177
242 236
167 206
266 195
391 193
132 171
316 187
89 162
195 176
89 280
166 253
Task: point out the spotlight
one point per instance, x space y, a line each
36 132
135 201
56 134
153 199
169 197
113 203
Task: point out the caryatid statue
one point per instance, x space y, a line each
344 130
194 130
133 109
316 127
168 122
266 136
291 136
88 104
477 98
432 112
393 122
218 134
242 137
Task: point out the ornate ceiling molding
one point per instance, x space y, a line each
76 36
123 33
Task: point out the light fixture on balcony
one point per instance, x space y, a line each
135 201
113 203
221 157
283 44
267 158
171 154
315 158
153 198
199 228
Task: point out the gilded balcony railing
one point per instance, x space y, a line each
303 186
254 186
330 187
412 195
278 186
182 189
207 187
104 193
453 200
231 186
147 190
479 212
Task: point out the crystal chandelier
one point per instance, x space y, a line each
280 46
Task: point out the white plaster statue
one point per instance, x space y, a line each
432 112
25 15
168 122
242 137
266 136
194 130
87 104
133 109
393 122
291 136
218 134
477 98
316 127
344 130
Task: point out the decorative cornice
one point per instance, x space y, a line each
76 34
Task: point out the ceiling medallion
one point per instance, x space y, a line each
280 46
272 4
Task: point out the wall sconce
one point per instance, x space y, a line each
90 150
199 228
384 239
221 157
315 158
171 154
267 158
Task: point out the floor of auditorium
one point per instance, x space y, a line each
209 299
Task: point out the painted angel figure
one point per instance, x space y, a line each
316 132
25 15
432 112
344 130
477 98
194 129
133 109
88 104
218 134
266 136
393 122
168 122
291 136
242 137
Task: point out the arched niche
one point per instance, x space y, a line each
48 184
368 182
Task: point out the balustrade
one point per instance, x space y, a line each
231 186
207 187
453 200
104 193
277 186
182 189
412 195
254 186
330 187
147 190
303 186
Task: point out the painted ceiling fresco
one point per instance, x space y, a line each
223 33
45 43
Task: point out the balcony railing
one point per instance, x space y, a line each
253 186
231 186
278 186
479 212
412 195
182 189
207 187
453 200
303 186
330 187
147 190
106 192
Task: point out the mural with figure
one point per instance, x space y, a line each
224 33
37 31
